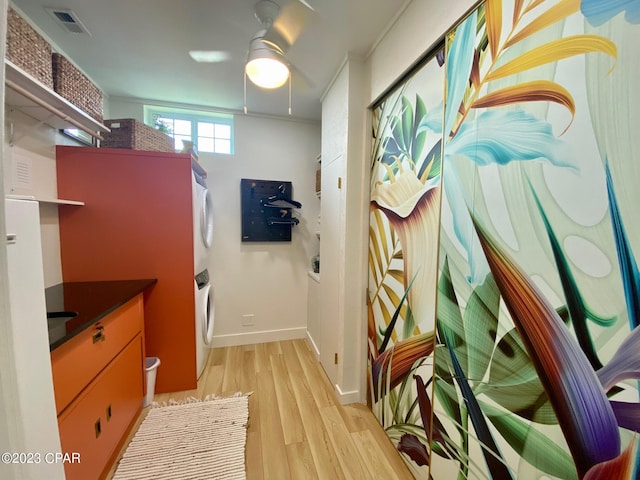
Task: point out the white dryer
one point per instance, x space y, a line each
202 223
205 317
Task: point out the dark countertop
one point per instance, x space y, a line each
91 301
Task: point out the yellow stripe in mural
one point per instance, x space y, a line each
555 51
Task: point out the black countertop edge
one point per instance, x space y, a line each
88 303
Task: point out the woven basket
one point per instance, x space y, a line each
135 135
72 84
28 50
318 181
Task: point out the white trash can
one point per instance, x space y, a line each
151 367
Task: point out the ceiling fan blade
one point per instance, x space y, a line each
209 56
307 4
288 25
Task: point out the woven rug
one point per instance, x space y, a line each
190 440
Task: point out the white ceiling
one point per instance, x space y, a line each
139 48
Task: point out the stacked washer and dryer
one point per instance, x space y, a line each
202 240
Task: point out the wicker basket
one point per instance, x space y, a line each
135 135
28 50
318 181
72 84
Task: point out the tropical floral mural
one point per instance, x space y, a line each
403 239
504 288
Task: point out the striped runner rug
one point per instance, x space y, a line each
189 440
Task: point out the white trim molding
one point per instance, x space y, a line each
314 347
258 337
352 396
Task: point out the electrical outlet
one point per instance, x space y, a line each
247 319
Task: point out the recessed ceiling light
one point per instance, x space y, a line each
211 56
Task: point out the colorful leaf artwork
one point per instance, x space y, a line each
403 238
544 382
503 285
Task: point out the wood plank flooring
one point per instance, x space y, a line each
297 429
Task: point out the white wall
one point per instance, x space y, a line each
268 280
415 32
32 145
344 232
10 435
14 429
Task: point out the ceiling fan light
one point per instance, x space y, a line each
267 72
266 66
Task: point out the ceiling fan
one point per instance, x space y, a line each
266 64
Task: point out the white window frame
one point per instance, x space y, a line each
153 112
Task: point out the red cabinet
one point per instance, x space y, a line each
137 222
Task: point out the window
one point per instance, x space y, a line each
80 136
210 132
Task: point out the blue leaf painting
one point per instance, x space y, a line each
501 136
598 12
463 226
433 120
459 63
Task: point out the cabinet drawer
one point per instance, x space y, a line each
96 421
78 361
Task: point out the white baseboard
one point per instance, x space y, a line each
258 337
352 396
314 347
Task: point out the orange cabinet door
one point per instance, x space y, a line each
94 424
78 361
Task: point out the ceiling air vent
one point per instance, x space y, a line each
67 20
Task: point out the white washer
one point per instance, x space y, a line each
205 317
202 223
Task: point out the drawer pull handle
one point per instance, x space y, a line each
98 428
99 336
108 413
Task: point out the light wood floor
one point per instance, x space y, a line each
297 429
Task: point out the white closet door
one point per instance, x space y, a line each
331 270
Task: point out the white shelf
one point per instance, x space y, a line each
59 201
28 95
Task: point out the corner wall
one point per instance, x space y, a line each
268 280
